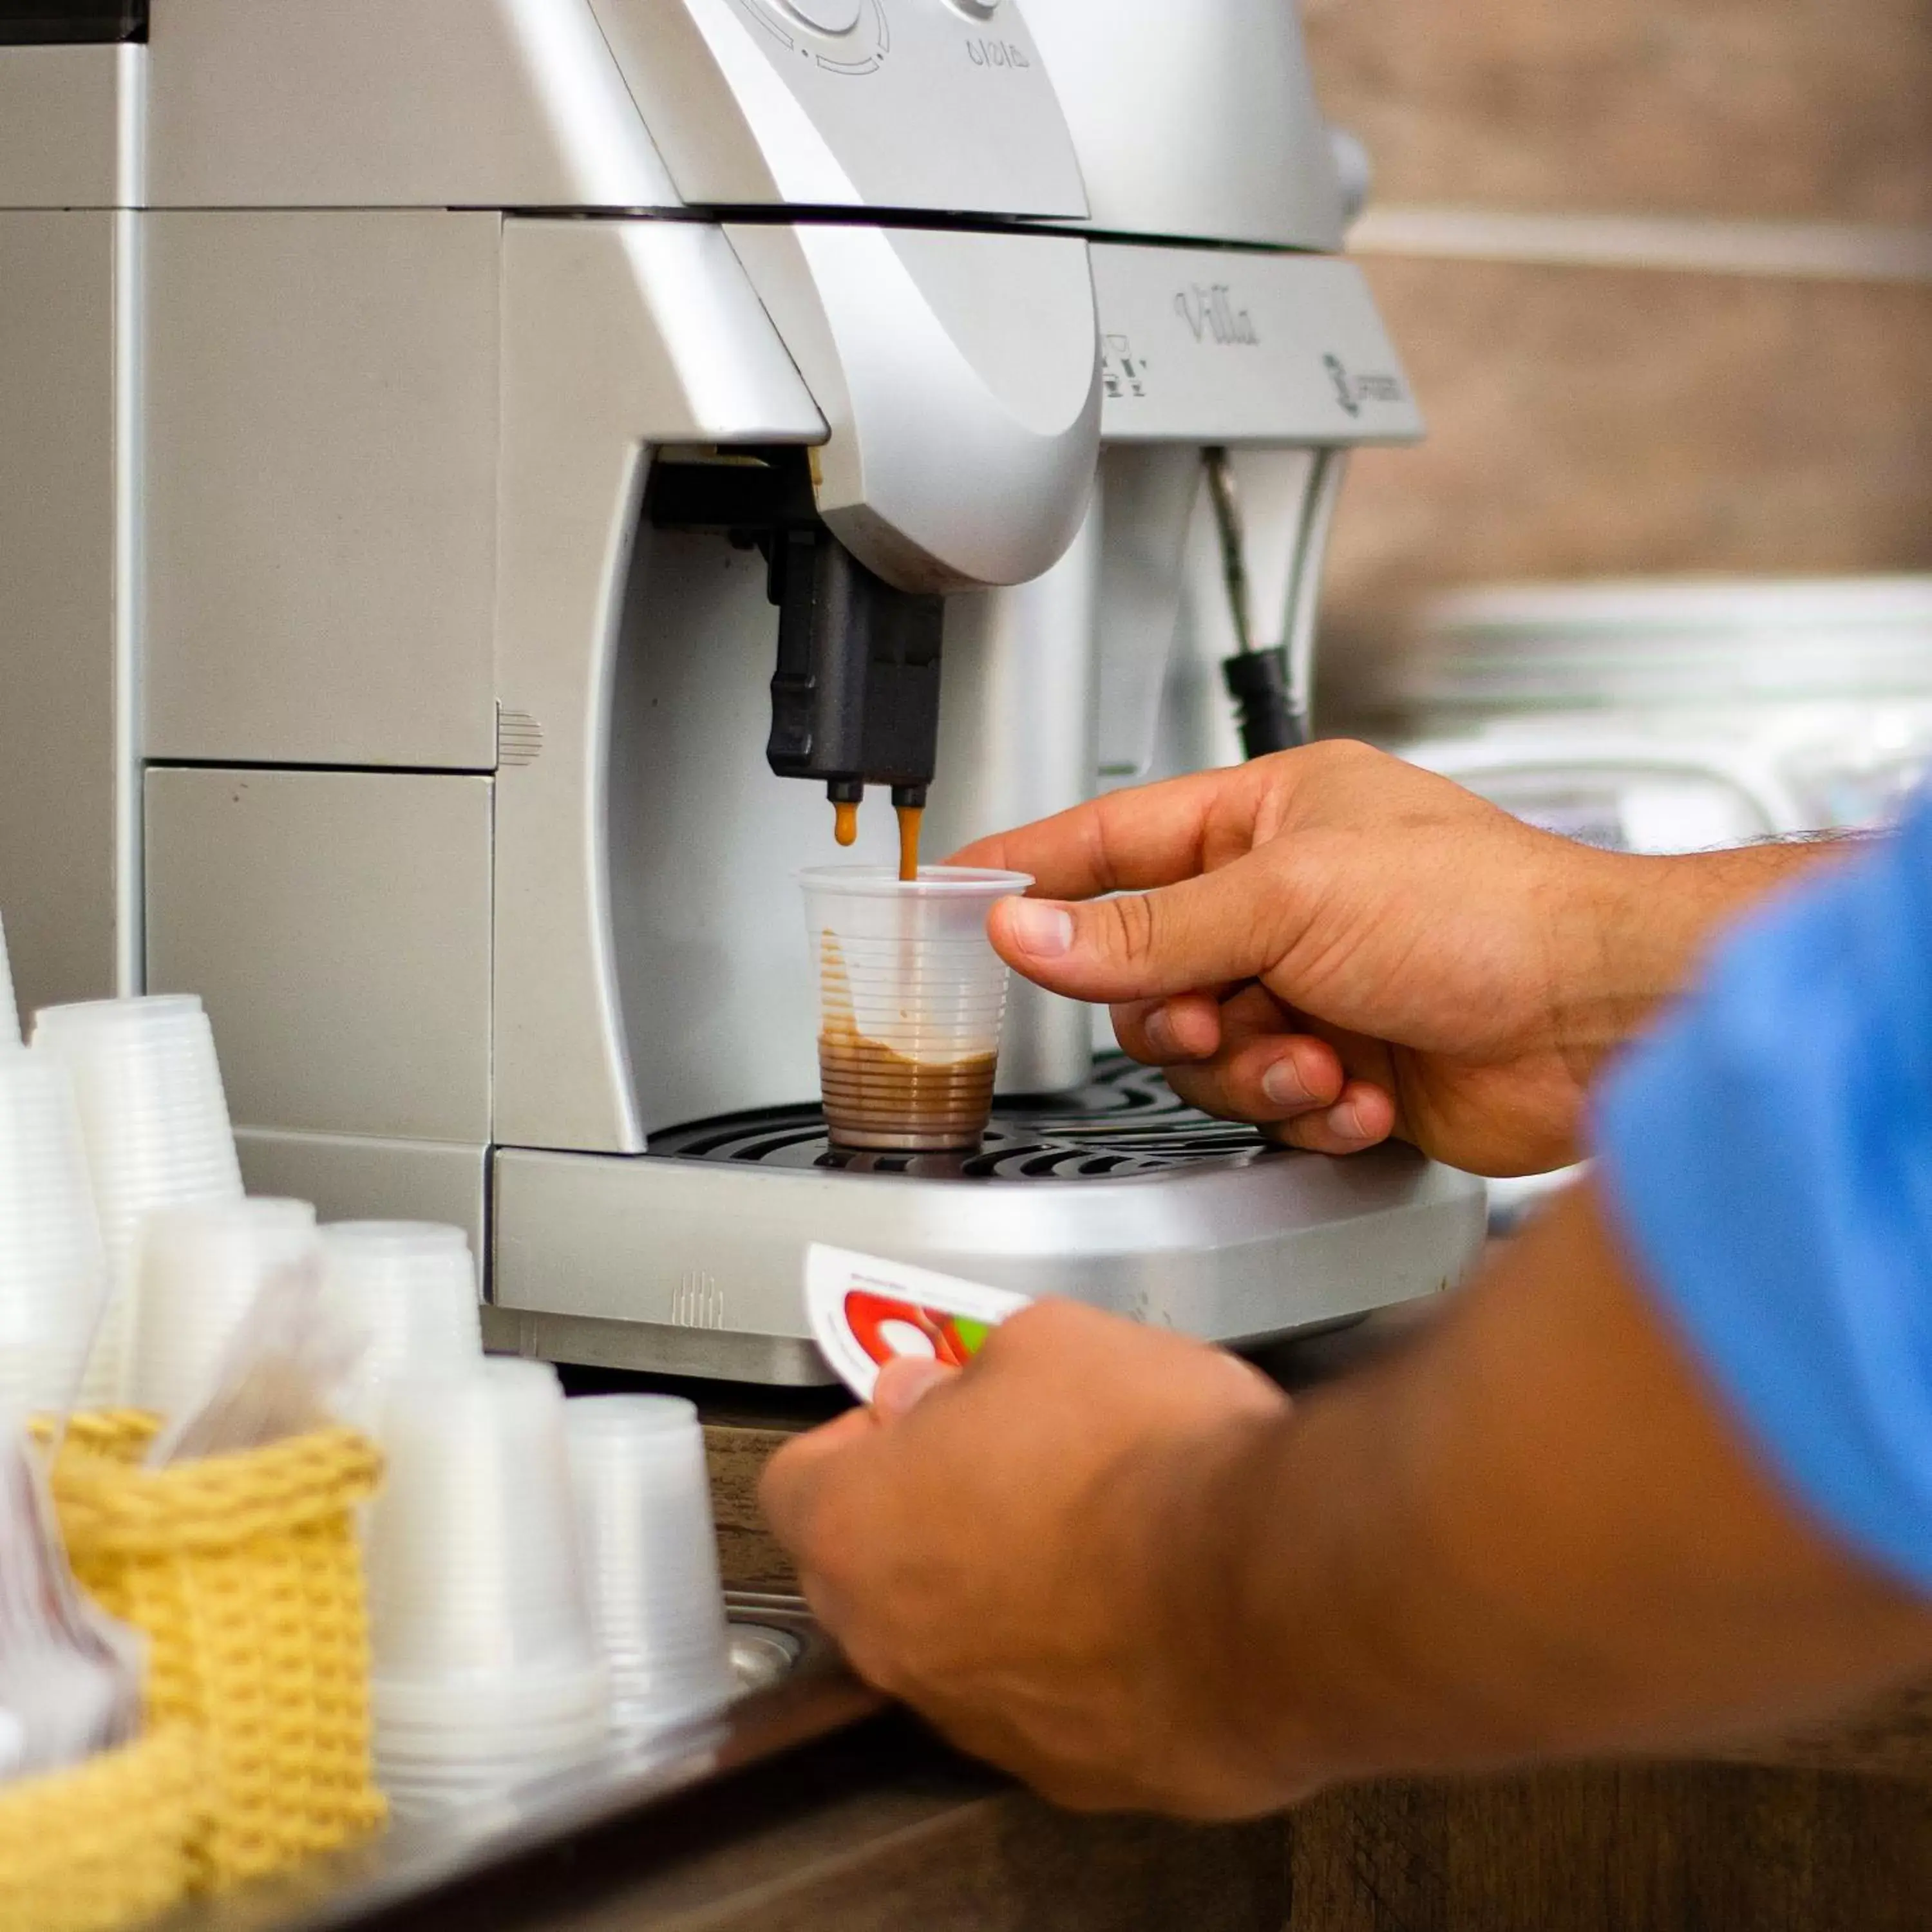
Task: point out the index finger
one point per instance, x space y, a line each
793 1478
1123 842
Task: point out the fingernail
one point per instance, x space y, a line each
1161 1035
1346 1120
1283 1085
904 1384
1044 931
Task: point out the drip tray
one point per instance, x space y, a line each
689 1261
1128 1122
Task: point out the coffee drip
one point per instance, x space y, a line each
911 817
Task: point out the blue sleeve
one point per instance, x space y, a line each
1767 1155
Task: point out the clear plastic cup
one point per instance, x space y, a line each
53 1271
650 1554
411 1287
156 1124
473 1569
483 1658
198 1270
911 997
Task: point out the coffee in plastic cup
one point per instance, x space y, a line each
911 998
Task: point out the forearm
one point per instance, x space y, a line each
1532 1535
1627 931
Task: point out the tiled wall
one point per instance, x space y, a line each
1662 272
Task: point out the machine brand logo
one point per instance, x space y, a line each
1211 314
983 52
1352 391
1123 373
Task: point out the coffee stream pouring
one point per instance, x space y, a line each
611 422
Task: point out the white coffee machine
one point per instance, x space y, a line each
484 453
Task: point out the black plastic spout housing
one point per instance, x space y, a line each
855 697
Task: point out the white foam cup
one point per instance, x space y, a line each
155 1122
52 1267
198 1270
650 1554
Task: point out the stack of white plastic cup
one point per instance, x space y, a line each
198 1269
643 1514
10 1013
156 1125
53 1272
410 1286
486 1673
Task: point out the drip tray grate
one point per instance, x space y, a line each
1128 1122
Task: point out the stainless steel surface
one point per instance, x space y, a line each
1149 495
1194 121
1302 602
1246 348
655 1347
617 336
393 103
337 926
752 104
67 823
1131 1203
320 500
958 375
786 1702
70 134
363 1177
1016 742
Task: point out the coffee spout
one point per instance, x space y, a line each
855 696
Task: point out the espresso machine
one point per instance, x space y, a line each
500 472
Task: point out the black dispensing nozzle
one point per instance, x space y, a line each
855 697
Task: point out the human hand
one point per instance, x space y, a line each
1342 946
1038 1553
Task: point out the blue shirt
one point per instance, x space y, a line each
1767 1154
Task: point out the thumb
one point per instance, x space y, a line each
1219 926
904 1384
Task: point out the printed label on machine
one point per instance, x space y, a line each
866 1312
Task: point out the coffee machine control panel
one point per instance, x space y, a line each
914 106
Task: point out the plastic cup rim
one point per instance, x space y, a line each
934 882
594 1418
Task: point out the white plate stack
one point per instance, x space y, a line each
411 1288
53 1271
650 1550
155 1122
486 1673
198 1271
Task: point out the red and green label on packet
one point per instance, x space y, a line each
888 1329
